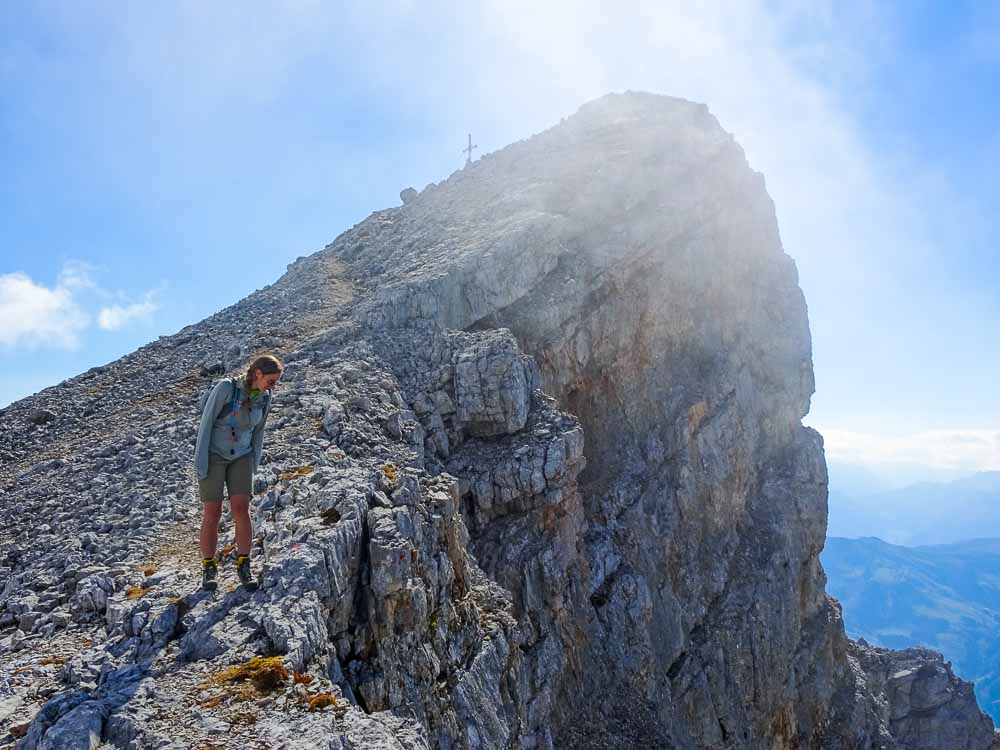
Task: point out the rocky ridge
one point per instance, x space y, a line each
535 477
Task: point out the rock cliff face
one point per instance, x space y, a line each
536 477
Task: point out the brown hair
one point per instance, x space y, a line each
268 364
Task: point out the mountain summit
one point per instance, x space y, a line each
535 477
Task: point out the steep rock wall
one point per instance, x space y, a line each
636 257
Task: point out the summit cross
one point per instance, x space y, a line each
468 151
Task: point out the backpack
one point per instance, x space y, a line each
203 399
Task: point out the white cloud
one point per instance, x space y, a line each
959 449
35 316
76 275
114 317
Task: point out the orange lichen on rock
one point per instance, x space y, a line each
321 701
267 673
298 471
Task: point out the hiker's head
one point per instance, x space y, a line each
263 372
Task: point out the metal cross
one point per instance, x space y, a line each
468 158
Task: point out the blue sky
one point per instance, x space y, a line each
161 161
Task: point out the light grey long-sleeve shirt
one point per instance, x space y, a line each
215 433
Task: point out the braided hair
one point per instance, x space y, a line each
268 364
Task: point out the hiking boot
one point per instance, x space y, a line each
243 571
209 572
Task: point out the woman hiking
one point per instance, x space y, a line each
227 452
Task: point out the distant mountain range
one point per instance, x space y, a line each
945 597
918 514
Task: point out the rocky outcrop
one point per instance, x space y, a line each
535 477
923 704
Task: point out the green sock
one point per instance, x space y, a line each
206 560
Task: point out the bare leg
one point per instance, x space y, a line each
210 514
240 505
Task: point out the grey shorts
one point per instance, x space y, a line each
237 475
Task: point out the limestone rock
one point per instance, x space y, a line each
80 729
491 383
920 700
41 416
91 597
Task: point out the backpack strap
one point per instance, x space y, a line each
225 404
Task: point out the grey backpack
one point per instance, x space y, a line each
203 398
